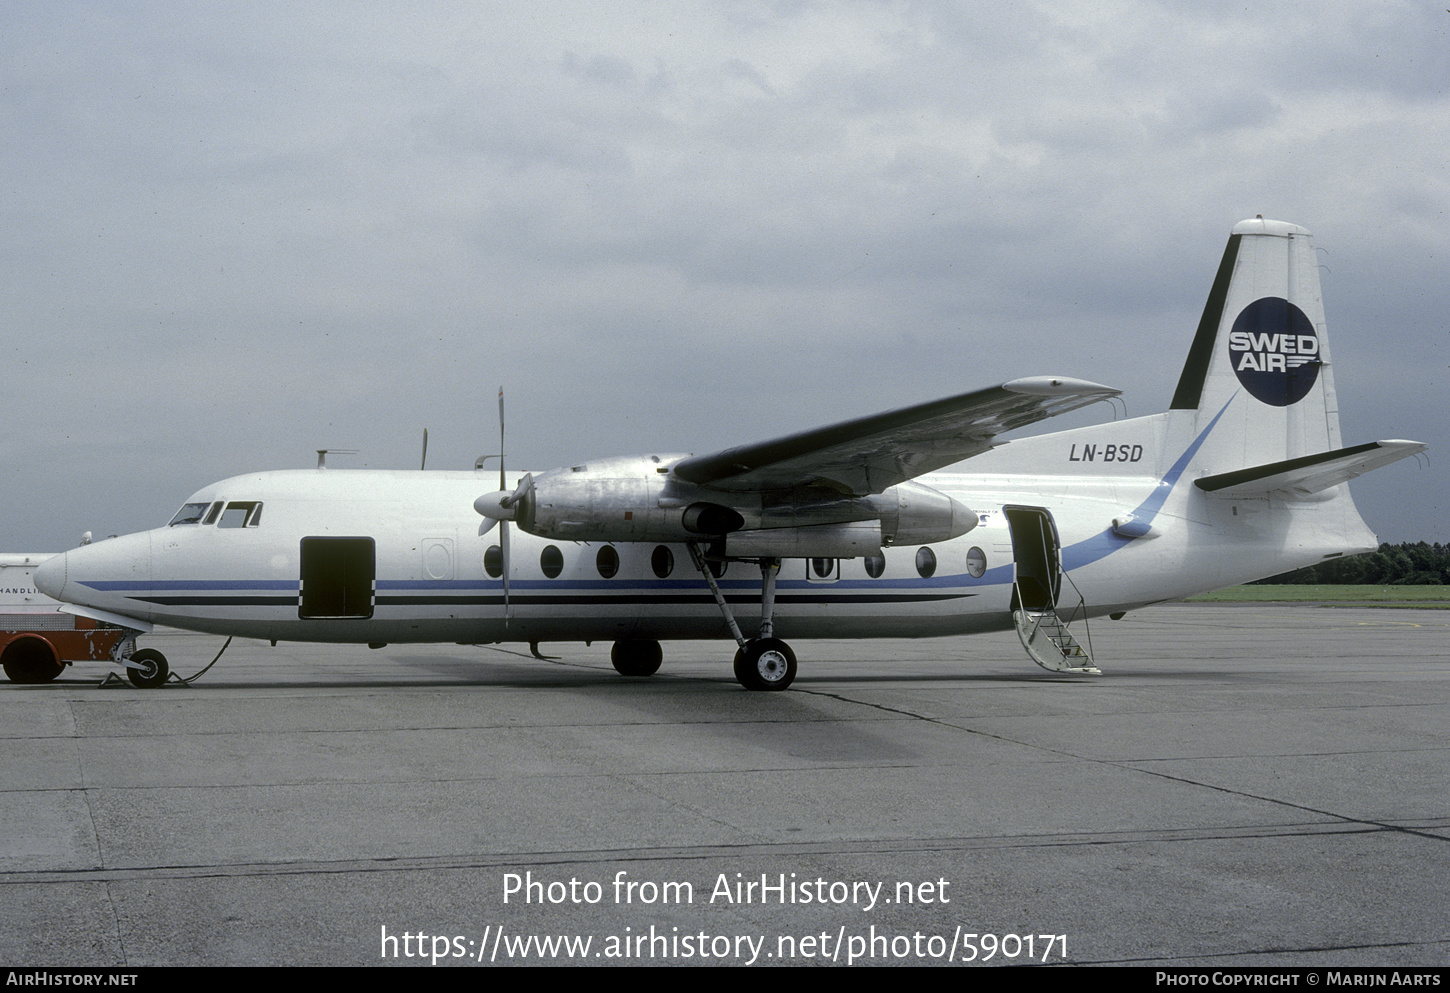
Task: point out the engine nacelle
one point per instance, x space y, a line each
913 513
828 541
636 499
608 500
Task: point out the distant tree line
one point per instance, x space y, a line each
1406 564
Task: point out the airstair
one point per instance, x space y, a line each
1051 644
1036 585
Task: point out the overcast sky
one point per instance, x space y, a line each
236 233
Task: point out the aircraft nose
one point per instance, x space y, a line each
101 575
50 577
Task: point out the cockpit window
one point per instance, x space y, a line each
192 513
216 508
241 514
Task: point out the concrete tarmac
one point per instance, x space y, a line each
1245 786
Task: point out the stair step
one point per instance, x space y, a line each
1051 644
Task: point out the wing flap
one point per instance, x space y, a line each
870 454
1311 473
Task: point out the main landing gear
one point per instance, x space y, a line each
636 657
764 662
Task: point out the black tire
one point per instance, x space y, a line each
31 659
153 671
765 664
636 657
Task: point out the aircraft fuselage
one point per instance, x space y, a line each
434 578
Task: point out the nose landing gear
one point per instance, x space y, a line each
147 669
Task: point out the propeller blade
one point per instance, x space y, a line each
503 526
503 540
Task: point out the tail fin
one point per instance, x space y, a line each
1259 380
1260 360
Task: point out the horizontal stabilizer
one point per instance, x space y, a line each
1311 473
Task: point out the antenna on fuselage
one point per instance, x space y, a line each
424 464
322 454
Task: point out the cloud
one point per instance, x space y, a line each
232 236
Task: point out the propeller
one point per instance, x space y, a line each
497 508
501 506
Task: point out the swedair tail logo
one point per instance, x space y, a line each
1274 351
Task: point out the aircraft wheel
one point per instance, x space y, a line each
31 659
765 664
153 671
637 657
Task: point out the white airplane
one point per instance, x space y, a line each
846 531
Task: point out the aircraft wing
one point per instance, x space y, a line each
869 454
